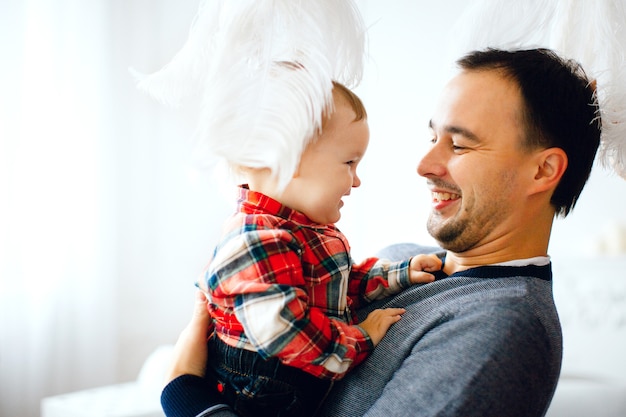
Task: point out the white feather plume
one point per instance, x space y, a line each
591 32
264 70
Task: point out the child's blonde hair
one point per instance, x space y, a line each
353 100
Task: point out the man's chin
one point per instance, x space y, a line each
448 238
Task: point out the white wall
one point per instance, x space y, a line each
407 67
168 212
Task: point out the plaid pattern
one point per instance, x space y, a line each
285 287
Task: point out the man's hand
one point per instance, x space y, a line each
190 352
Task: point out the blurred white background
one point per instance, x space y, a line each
105 223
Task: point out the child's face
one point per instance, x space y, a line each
327 169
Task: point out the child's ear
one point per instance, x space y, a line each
549 168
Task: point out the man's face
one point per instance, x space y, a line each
475 160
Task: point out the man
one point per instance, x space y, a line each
514 137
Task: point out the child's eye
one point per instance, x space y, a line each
350 162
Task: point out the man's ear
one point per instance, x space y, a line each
550 166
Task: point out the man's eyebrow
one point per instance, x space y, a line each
457 130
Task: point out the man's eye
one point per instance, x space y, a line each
457 147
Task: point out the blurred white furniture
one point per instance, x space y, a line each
140 398
590 294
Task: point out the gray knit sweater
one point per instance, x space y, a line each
482 342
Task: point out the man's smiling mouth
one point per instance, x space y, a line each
445 196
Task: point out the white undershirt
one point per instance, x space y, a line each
537 260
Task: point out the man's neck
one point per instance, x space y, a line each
485 255
522 241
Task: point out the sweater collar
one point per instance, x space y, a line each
543 272
538 268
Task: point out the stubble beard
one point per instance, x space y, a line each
451 234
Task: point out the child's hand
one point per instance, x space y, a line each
419 265
379 321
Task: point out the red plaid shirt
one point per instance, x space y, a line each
284 287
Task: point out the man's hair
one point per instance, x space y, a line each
560 110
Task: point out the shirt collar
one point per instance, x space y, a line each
537 260
538 267
253 202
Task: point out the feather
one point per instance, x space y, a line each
264 71
592 33
503 24
182 77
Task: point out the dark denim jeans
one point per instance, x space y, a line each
255 387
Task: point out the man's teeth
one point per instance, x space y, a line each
445 196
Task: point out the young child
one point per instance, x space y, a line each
282 285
